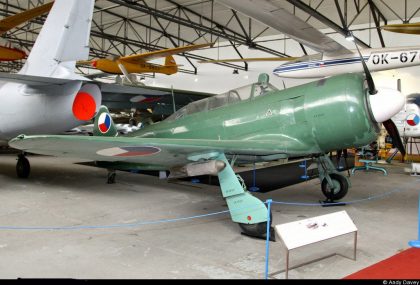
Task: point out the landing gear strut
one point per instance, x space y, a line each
249 212
334 185
23 168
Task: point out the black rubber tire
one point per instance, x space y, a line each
342 191
111 178
258 230
23 167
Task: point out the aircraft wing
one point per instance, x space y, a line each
249 59
134 90
9 23
143 57
271 14
157 153
35 80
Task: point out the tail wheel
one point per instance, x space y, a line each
341 187
258 230
23 168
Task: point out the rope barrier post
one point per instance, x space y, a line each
416 243
267 242
254 187
304 165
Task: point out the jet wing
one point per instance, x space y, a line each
158 153
143 57
36 80
271 14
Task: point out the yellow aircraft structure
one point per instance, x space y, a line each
411 28
9 53
249 59
138 63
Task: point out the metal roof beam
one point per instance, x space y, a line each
156 13
306 8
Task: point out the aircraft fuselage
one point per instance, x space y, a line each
310 119
376 60
37 109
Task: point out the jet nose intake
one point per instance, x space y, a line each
386 103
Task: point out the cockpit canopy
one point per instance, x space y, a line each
247 92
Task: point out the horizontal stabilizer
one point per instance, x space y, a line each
35 80
135 90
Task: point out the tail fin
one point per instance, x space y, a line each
63 40
170 65
170 61
104 125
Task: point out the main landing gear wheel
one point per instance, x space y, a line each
23 168
111 177
341 187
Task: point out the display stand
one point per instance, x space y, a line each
368 164
304 232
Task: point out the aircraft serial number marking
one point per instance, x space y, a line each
403 57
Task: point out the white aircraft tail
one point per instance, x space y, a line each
63 40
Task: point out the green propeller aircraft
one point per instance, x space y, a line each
254 123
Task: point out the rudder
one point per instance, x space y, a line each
63 40
170 65
104 125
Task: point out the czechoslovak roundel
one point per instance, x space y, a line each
104 123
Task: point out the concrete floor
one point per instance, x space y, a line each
59 194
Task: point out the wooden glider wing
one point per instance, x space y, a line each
141 58
18 19
411 28
249 59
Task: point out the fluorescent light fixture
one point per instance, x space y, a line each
349 36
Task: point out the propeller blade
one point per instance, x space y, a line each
369 79
395 135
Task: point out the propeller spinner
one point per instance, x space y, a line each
384 104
